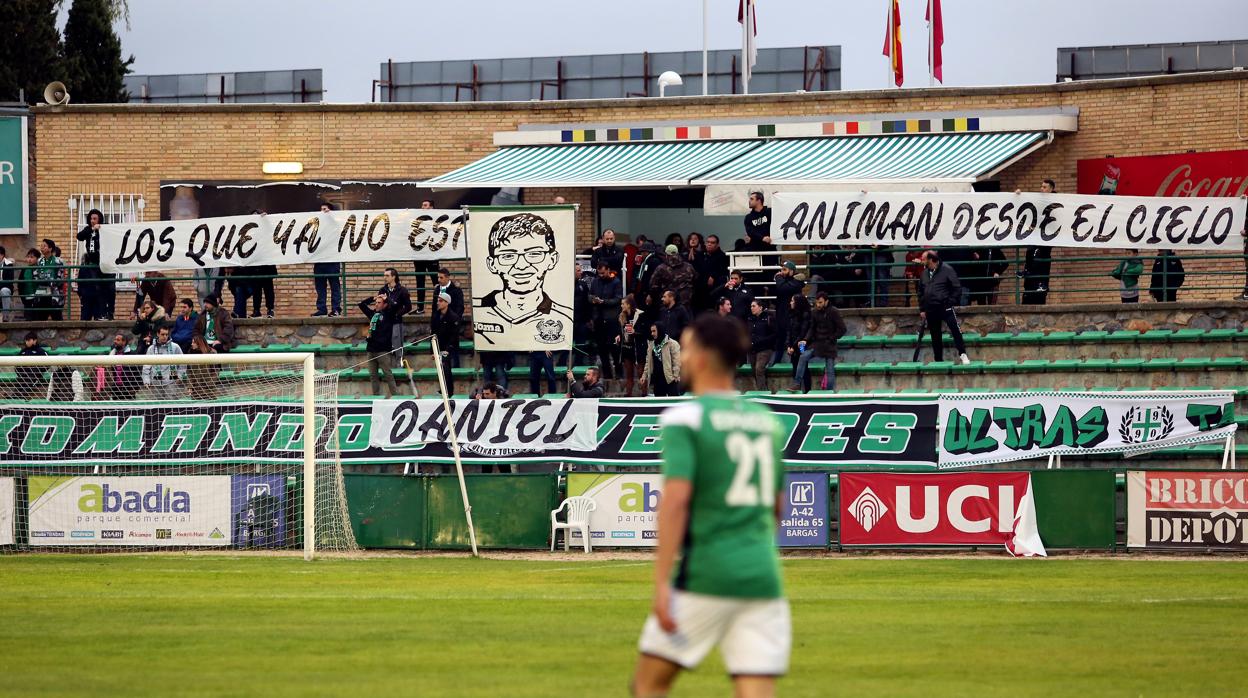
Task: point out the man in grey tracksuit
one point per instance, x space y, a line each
163 379
940 292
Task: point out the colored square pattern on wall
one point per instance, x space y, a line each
827 128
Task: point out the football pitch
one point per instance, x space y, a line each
174 624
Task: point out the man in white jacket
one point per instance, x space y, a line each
164 379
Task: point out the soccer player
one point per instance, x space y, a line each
722 476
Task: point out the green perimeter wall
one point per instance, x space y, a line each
426 512
1074 509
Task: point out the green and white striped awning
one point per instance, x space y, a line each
955 157
666 164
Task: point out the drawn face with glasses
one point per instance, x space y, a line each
522 252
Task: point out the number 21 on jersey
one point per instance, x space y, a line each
751 455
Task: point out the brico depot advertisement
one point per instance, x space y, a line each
130 510
935 509
1187 509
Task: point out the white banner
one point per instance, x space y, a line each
130 510
626 508
488 427
283 238
978 220
734 199
8 507
523 266
978 429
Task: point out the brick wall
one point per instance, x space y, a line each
132 148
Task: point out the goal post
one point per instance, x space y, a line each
130 451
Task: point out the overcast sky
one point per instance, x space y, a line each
986 41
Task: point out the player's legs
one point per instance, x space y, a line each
753 686
654 677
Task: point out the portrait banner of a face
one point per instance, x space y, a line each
523 266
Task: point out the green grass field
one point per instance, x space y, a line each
159 625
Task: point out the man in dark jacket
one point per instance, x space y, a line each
716 262
215 326
674 317
589 387
607 253
826 327
650 262
762 325
787 286
735 291
97 290
940 293
30 385
605 293
989 264
381 318
446 328
1168 276
1038 263
398 300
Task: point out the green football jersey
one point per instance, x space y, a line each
730 449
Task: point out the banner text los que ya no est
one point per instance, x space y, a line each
285 238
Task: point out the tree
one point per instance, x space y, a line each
93 62
30 48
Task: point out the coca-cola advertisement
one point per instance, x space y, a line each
1216 173
926 509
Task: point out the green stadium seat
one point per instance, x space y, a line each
246 349
1187 335
871 340
1095 365
937 367
65 351
1157 335
1034 364
1093 336
8 377
336 349
1123 336
1192 364
1004 366
1128 364
874 367
1064 364
1061 337
901 340
1027 337
841 367
1228 363
908 367
1221 334
758 393
275 348
973 367
996 338
1161 364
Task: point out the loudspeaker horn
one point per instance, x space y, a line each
55 93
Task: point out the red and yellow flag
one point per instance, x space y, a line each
892 41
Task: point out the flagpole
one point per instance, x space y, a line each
745 47
704 49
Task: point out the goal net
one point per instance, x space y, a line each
116 451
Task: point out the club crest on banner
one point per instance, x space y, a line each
1142 424
868 509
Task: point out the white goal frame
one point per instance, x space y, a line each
306 359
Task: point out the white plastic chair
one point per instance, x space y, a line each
577 518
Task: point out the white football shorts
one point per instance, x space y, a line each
754 635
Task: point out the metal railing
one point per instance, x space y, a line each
852 278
